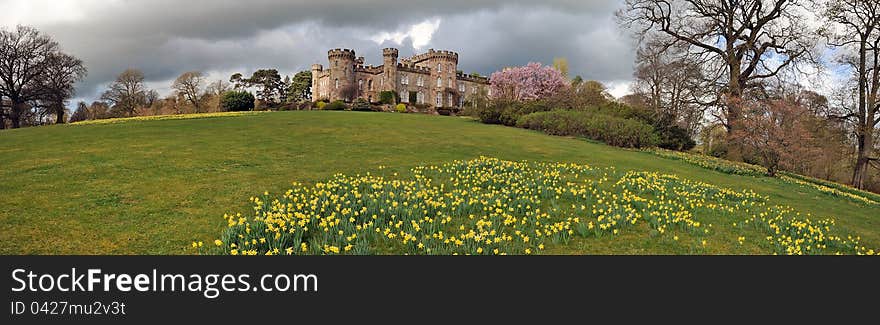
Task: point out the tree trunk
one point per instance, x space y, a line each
734 111
860 172
861 167
15 116
59 114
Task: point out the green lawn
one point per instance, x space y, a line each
152 187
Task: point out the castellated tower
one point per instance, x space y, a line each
317 69
389 71
342 74
443 65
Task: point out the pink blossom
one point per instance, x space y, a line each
529 82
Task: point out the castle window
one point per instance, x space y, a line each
420 98
361 84
337 83
439 99
461 88
450 101
404 80
439 82
404 96
450 83
439 69
420 82
370 84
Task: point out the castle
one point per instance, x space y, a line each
431 78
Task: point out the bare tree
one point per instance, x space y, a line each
673 85
855 27
99 110
776 134
217 88
215 91
128 92
24 53
81 113
742 42
189 86
62 72
152 97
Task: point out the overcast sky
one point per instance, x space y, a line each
164 38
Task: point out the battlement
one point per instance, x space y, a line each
390 52
344 53
368 68
317 67
410 67
466 77
433 54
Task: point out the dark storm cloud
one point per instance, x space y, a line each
165 38
590 40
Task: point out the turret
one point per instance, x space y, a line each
316 74
389 73
342 63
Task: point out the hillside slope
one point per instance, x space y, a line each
151 187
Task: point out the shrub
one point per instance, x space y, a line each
320 105
305 106
673 137
507 112
622 111
335 106
388 97
612 130
237 101
446 111
287 107
491 114
361 104
401 108
510 116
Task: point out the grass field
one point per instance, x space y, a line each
152 187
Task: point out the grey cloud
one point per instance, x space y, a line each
592 43
165 38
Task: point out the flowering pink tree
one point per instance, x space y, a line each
532 81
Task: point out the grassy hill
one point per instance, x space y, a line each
152 187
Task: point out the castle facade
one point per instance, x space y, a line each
431 78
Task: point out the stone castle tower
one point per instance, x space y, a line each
430 78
